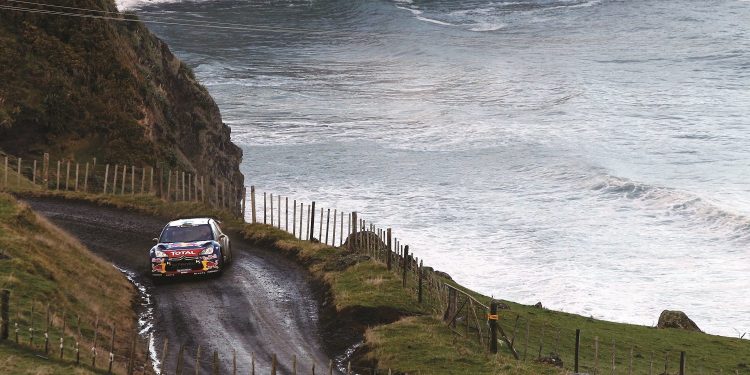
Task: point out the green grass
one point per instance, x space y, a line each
369 286
19 360
47 270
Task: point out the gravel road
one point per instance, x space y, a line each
263 303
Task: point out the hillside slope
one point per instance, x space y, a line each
85 87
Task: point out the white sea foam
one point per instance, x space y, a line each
488 26
437 22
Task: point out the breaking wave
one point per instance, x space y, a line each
677 203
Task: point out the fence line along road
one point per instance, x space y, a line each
524 339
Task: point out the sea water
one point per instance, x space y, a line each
591 155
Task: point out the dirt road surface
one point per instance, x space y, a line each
263 304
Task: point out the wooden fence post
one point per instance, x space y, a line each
311 218
389 243
124 178
273 364
493 327
294 218
328 223
45 170
341 231
143 179
419 287
75 185
62 336
132 180
577 350
271 198
682 363
111 351
234 362
18 174
67 176
164 350
614 350
252 204
286 215
4 313
78 340
197 360
106 178
279 208
320 231
630 361
353 226
180 355
46 330
33 174
86 179
244 204
151 182
93 347
114 179
406 263
57 184
182 196
333 240
301 213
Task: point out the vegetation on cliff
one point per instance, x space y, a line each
86 87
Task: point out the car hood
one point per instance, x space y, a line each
183 249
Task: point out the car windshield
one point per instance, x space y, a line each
191 233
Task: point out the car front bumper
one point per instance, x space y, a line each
165 267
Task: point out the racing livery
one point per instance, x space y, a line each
190 247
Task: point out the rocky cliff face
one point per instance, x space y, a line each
85 87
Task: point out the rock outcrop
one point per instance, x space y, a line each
86 87
676 319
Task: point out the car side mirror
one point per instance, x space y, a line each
155 239
223 236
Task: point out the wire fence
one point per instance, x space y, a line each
526 339
119 179
594 351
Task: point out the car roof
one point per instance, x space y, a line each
189 222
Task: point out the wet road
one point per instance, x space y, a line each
262 304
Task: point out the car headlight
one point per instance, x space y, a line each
208 250
160 254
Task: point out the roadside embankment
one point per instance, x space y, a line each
46 269
365 310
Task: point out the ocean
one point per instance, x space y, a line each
593 155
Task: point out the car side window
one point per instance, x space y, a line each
217 231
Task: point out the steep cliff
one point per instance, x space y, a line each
89 87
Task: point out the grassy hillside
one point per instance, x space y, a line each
85 87
44 268
364 298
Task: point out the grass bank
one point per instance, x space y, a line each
364 299
47 270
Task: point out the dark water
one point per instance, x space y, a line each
592 155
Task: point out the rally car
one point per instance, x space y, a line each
190 247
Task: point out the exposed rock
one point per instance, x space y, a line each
502 306
360 240
552 359
443 274
676 319
538 305
81 87
344 262
3 256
